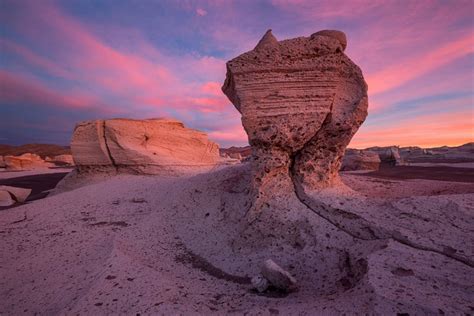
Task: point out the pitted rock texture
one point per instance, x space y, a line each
153 146
301 102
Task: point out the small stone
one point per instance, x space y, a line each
260 283
277 277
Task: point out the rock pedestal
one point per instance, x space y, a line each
301 102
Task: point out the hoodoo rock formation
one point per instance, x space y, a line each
301 102
153 146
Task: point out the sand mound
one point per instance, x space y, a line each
137 244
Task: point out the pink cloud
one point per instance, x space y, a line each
396 75
33 59
16 89
234 134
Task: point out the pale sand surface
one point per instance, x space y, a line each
156 245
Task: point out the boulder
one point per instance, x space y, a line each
152 146
260 283
276 276
26 161
11 195
360 160
301 101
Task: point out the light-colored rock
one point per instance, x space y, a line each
26 162
153 146
360 160
260 283
6 199
301 101
63 160
276 276
389 155
10 195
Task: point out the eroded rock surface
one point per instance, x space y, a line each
26 161
154 146
301 102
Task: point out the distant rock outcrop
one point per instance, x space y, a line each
301 102
61 160
2 162
389 155
152 146
26 162
42 150
360 160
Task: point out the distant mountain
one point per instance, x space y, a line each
42 150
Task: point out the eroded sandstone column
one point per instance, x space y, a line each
301 102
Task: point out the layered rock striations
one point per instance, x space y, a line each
153 146
301 102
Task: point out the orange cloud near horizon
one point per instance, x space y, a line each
432 130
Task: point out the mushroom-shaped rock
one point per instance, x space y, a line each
153 146
301 102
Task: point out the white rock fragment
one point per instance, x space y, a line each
10 195
276 276
260 283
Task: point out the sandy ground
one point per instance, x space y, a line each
156 245
441 173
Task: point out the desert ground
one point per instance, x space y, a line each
147 245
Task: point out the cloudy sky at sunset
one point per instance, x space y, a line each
66 61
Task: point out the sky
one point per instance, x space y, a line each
62 62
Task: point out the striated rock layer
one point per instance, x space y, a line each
153 146
301 102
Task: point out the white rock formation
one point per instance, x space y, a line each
276 276
26 162
153 146
360 160
11 195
